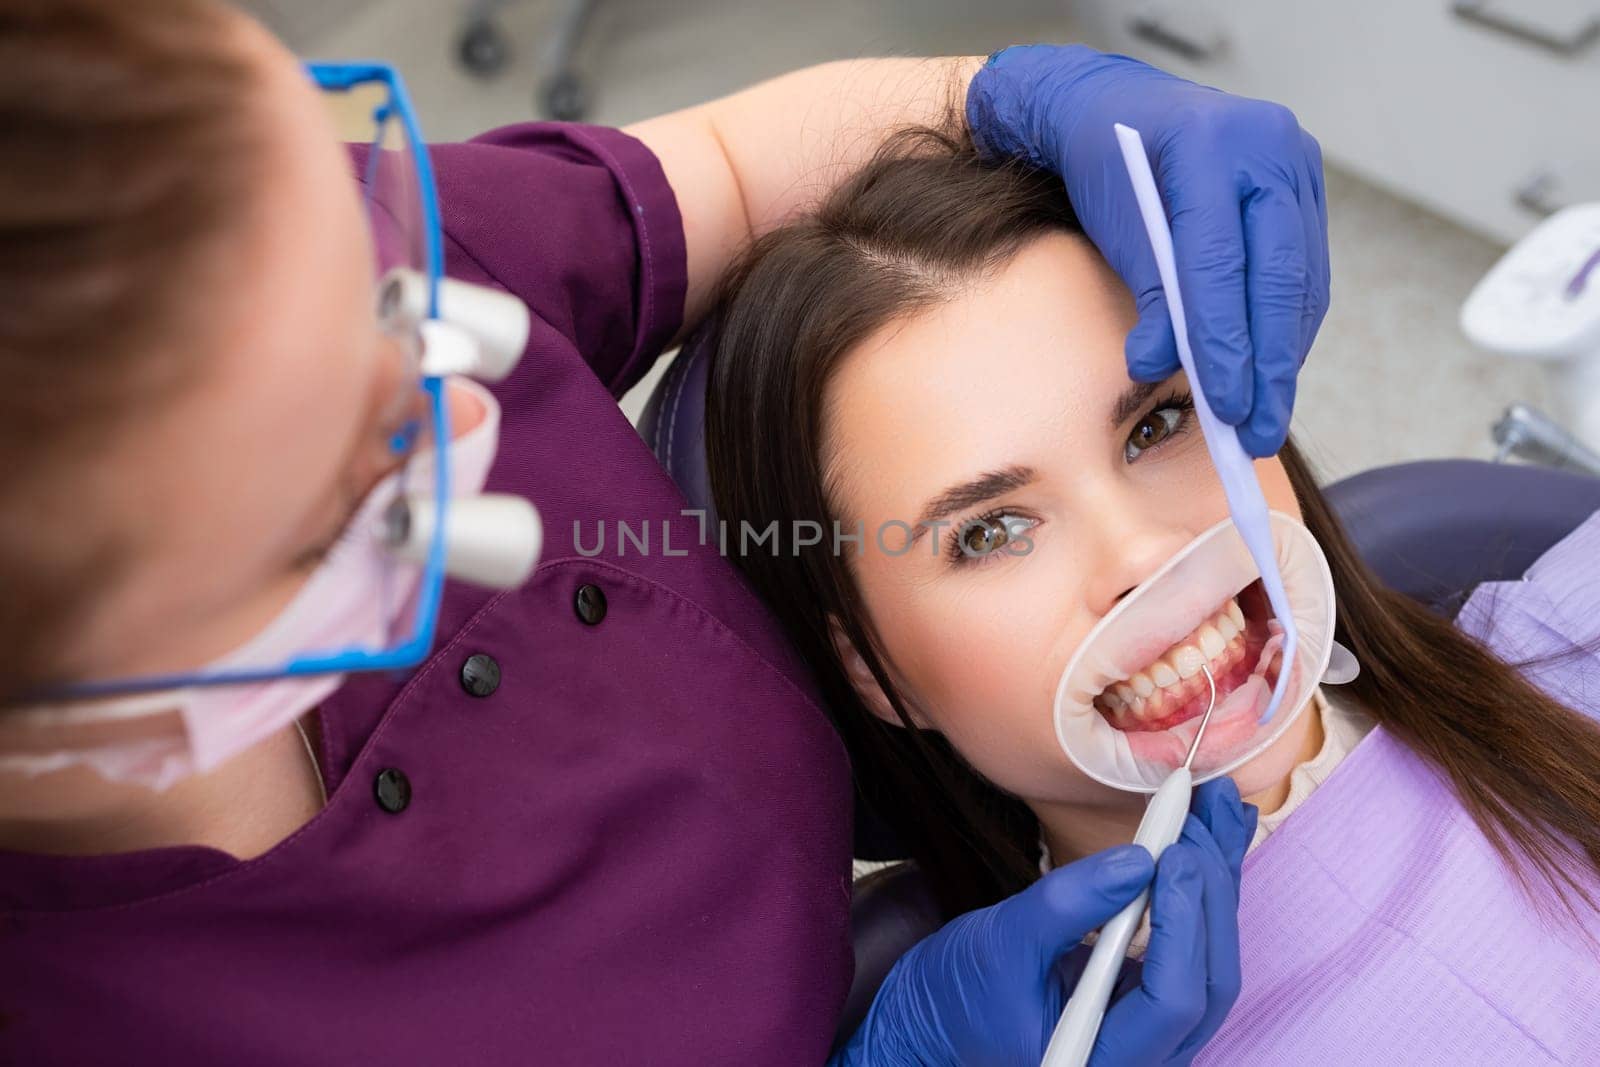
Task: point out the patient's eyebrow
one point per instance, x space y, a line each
1132 401
967 494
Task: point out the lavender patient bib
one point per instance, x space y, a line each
1378 926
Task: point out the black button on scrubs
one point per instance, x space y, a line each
393 790
591 604
480 675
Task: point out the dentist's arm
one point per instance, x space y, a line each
1242 179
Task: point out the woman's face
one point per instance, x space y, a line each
1008 408
228 490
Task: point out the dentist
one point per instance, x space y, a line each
271 789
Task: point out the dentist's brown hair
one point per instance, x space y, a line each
919 220
126 160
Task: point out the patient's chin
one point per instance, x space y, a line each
1259 779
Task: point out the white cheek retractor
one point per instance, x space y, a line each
1129 701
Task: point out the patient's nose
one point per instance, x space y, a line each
1130 551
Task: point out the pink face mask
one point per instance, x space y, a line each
157 739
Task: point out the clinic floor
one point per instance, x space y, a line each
1390 379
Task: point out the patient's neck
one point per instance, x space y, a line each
1073 831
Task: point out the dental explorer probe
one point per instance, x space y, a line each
1162 824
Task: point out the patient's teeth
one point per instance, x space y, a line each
1225 627
1187 661
1141 697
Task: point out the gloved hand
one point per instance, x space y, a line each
1147 1025
987 988
1242 183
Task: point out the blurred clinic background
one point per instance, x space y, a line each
1451 128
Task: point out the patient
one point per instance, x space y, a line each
938 346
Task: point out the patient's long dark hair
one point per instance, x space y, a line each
922 217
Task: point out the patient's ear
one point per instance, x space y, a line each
865 685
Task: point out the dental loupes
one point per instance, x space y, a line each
1245 500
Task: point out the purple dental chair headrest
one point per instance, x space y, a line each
1432 530
673 422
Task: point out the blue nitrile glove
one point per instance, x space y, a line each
987 988
1242 183
1148 1024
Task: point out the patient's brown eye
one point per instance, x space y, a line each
984 537
997 533
1151 431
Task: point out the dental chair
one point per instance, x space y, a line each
1432 530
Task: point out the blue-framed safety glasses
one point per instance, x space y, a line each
373 115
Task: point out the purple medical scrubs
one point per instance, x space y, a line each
604 823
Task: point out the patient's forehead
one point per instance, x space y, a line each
1013 368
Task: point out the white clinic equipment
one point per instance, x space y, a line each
1541 301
